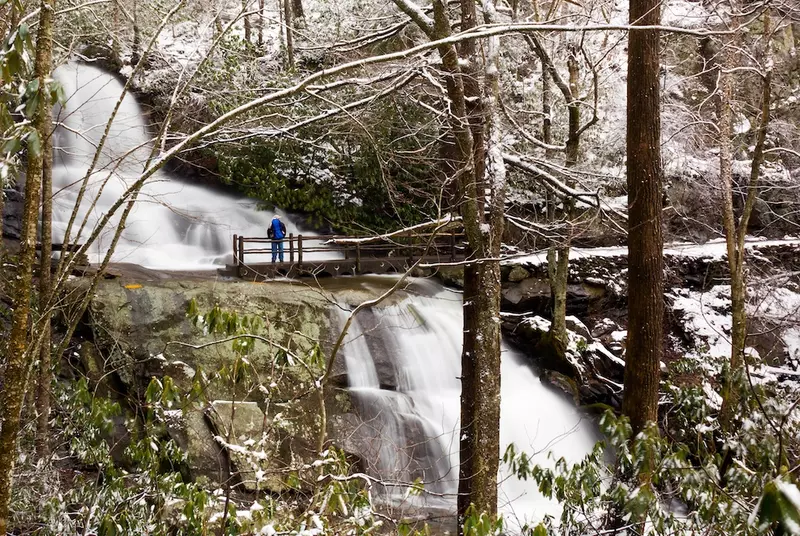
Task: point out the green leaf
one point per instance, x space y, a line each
540 530
34 143
13 63
57 93
780 504
12 146
31 105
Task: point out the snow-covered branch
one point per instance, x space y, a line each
559 187
386 236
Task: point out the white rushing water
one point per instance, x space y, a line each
403 364
174 224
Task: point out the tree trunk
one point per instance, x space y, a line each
136 47
735 235
247 29
260 23
45 298
18 361
115 33
480 375
474 101
287 17
547 120
297 7
558 255
738 328
645 241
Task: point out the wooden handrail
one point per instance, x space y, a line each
396 247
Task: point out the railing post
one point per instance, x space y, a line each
453 246
291 248
235 252
300 249
241 250
358 257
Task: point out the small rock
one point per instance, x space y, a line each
604 327
576 326
518 273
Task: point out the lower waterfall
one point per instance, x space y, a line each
403 365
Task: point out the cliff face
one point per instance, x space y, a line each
246 408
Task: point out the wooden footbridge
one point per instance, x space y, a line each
320 256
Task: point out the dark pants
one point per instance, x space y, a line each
277 250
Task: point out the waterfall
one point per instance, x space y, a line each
403 365
175 224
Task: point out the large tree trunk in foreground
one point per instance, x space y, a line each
18 359
645 241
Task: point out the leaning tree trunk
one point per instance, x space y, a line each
645 241
15 381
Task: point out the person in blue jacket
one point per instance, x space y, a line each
277 232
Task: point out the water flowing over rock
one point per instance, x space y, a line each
174 224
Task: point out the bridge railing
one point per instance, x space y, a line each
299 249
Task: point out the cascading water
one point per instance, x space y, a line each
403 365
174 224
403 361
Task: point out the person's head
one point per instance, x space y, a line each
276 217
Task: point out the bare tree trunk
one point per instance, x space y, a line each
735 235
260 23
547 120
474 100
136 47
115 32
18 364
247 29
645 240
558 254
299 12
289 23
480 375
45 298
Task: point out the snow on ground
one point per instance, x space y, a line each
705 317
713 249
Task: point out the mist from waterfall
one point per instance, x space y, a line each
175 224
403 365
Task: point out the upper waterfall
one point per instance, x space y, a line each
174 224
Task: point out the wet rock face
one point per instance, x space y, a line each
140 331
12 214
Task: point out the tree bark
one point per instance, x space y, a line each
547 120
297 7
287 17
18 359
45 298
645 240
735 235
247 29
136 47
260 23
480 375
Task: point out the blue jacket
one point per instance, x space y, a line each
277 230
